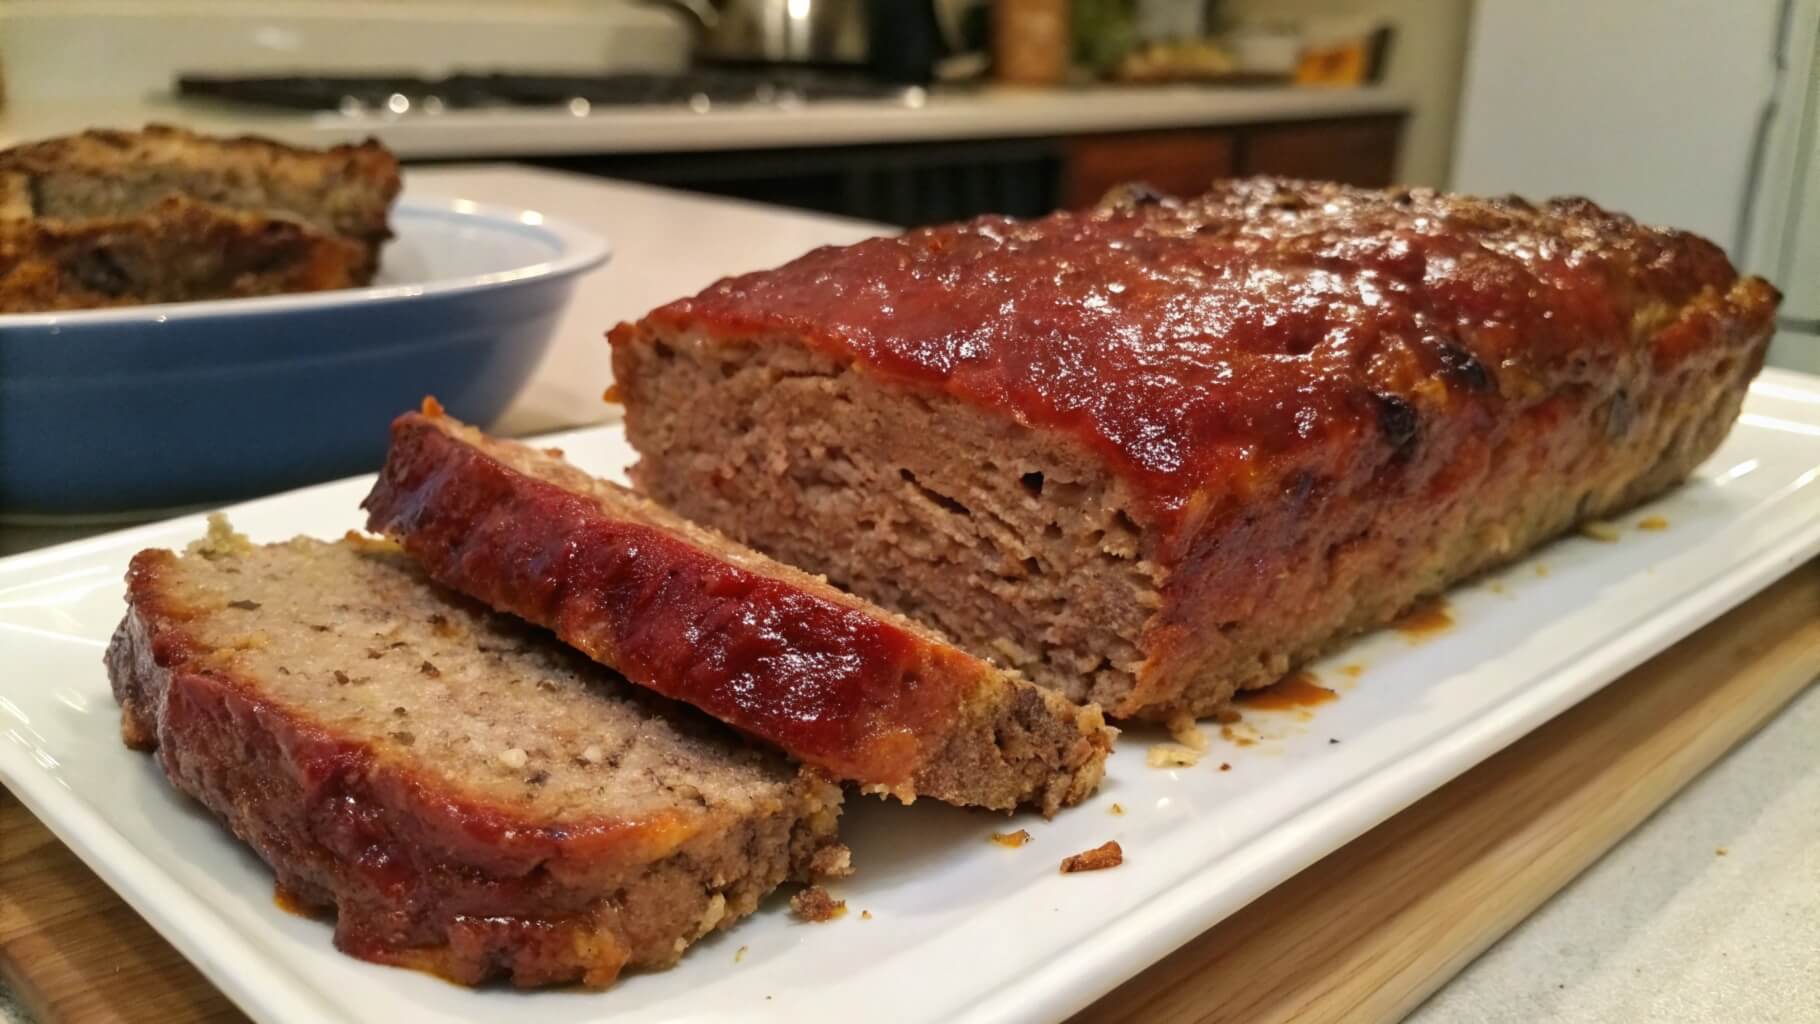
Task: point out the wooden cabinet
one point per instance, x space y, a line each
929 182
1180 163
1354 151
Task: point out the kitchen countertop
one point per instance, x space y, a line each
665 244
987 112
1708 912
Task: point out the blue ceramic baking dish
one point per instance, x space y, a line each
126 411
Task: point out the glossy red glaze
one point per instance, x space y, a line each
833 686
1204 346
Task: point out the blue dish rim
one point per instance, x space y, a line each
577 250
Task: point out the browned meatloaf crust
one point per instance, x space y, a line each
1158 452
832 680
344 191
175 251
466 794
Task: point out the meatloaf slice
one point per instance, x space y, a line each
345 191
175 251
467 795
836 682
1157 452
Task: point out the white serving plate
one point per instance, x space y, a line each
961 928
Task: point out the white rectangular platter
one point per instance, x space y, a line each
959 928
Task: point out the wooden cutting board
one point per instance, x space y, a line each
1365 934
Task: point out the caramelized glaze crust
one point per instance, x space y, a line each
1202 347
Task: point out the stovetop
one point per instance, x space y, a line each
401 95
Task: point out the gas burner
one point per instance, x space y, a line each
402 95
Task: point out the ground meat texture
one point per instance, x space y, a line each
520 813
834 681
815 905
1156 453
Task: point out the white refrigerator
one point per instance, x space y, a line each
1701 114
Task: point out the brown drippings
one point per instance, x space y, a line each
1353 670
287 901
1233 736
1426 619
1294 691
1652 523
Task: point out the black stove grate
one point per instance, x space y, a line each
403 94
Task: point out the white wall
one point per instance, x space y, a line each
1649 106
55 50
1425 63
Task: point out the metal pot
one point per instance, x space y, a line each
778 31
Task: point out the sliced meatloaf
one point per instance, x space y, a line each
177 250
467 795
344 191
833 680
1157 452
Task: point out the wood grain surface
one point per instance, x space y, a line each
1365 934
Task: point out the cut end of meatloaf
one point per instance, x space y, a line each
469 796
1161 451
835 681
1022 549
346 190
177 250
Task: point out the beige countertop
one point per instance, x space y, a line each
665 244
991 112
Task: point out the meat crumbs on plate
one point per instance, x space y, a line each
1011 839
1106 855
816 905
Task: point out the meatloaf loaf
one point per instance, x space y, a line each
467 795
1157 452
836 682
343 191
174 251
